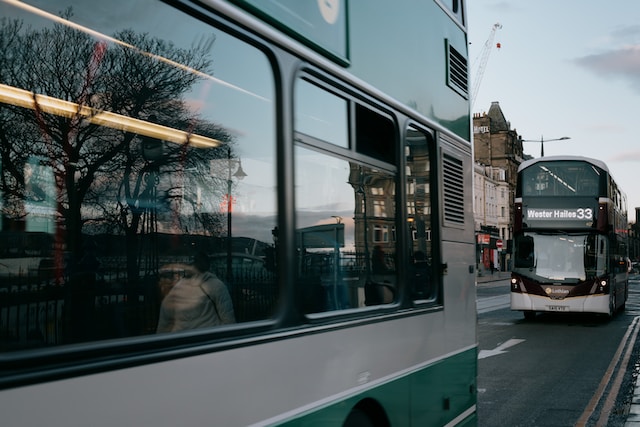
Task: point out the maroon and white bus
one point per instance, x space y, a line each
570 238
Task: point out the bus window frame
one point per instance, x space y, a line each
436 219
459 17
355 99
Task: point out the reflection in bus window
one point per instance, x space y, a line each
131 143
418 184
339 265
321 114
197 300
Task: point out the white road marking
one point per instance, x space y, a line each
499 349
487 304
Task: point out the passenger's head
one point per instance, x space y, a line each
169 276
201 262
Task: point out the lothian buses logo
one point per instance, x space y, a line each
557 292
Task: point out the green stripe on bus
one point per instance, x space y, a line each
434 395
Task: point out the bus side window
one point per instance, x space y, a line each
418 186
524 252
108 212
345 211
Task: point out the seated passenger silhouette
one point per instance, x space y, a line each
198 300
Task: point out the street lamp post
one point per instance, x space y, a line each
541 141
239 174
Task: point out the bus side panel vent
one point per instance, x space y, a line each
457 75
453 185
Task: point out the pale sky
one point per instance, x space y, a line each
565 68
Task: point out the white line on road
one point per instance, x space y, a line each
627 341
499 349
487 304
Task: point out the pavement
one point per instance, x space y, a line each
633 417
485 277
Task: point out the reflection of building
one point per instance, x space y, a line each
418 192
374 214
375 204
497 153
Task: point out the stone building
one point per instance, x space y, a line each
498 150
492 222
496 144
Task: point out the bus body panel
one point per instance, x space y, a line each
401 73
326 371
587 304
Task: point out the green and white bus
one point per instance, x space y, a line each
236 213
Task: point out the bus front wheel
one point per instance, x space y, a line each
358 418
367 413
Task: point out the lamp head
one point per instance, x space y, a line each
240 174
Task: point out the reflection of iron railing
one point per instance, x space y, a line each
35 312
74 312
253 300
30 317
325 288
254 291
348 262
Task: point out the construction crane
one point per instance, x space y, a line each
484 57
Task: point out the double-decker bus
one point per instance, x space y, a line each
570 238
236 213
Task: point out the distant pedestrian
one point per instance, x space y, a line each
379 261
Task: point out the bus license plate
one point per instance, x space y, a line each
557 308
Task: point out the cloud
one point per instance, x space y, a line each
606 128
622 63
626 32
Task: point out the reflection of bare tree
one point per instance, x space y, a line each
100 175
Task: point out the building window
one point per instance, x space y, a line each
380 233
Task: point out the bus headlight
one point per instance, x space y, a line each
603 285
